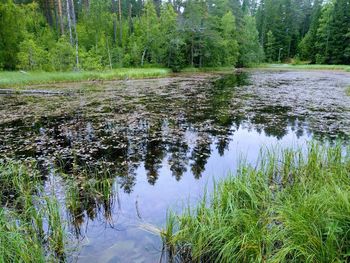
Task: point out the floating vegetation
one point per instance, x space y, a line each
86 151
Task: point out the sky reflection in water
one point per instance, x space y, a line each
162 142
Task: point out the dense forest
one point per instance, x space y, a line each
60 35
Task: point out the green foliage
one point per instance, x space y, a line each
307 46
149 30
294 207
11 30
250 51
229 35
15 245
172 42
210 33
323 35
62 55
270 53
90 60
30 230
31 56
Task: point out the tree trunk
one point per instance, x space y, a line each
72 23
48 15
143 56
120 23
169 57
69 22
192 50
109 53
114 22
86 4
130 21
59 7
76 35
55 11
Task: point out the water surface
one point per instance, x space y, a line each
119 154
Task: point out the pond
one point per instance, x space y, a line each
119 154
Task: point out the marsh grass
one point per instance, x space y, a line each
18 79
31 226
293 207
89 192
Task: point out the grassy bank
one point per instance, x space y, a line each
20 79
16 78
294 207
31 228
305 67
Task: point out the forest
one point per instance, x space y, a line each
66 35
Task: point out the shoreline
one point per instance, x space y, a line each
17 79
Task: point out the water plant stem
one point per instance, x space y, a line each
295 207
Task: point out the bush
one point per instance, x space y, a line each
62 55
32 57
90 60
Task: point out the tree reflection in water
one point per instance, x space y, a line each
114 134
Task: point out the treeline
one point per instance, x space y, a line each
60 35
307 30
99 34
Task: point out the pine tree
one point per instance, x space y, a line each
307 47
172 42
339 41
271 52
324 34
250 51
229 35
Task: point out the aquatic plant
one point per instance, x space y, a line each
89 191
293 207
348 90
31 226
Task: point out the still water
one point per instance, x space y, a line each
119 154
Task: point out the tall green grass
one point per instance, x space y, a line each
17 79
31 226
293 207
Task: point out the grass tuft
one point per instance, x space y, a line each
31 227
294 207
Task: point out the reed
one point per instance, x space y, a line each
31 227
294 206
